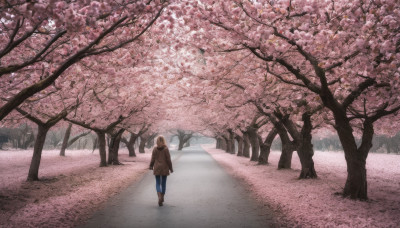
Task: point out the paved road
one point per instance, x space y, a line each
199 194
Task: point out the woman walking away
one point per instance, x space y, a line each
161 165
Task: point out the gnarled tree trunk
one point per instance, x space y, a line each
114 147
130 144
285 161
288 147
301 142
356 182
305 150
265 147
255 144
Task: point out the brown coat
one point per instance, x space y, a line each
161 161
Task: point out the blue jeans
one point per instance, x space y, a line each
161 183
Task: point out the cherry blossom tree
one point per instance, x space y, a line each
46 111
104 112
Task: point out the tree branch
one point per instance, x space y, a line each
382 112
44 83
70 142
14 68
357 92
12 44
354 54
106 49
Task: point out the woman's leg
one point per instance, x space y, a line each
163 184
158 188
158 183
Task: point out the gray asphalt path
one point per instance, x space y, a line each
199 194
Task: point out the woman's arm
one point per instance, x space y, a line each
169 161
153 159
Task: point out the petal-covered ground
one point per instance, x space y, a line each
312 203
70 190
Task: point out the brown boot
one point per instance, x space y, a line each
162 198
159 199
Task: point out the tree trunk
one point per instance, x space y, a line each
183 138
356 183
227 144
65 141
130 145
301 142
255 144
246 145
142 144
101 138
117 142
305 149
240 145
180 146
224 144
231 142
285 161
221 143
33 174
114 147
265 147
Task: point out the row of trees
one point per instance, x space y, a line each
88 63
288 68
81 63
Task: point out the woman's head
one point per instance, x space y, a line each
161 141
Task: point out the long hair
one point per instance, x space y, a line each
161 141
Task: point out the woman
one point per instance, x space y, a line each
161 165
